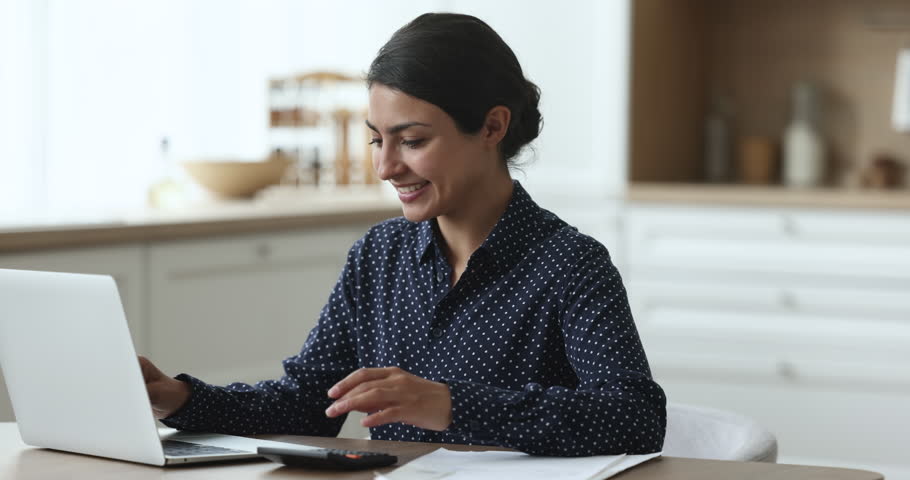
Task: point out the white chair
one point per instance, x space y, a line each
699 432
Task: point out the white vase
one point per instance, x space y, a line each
803 146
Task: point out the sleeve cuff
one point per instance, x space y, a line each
192 414
480 410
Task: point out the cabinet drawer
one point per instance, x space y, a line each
795 296
200 257
842 366
764 240
830 336
231 309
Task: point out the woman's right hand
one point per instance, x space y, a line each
166 394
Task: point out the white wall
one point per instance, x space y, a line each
21 106
576 51
123 74
112 91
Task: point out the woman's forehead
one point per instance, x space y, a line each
390 107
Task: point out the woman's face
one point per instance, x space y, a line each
435 168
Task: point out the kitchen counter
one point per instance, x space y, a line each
767 196
287 210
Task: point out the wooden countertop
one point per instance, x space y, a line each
769 196
304 210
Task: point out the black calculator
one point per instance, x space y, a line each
327 458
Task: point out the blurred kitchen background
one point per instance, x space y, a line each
745 163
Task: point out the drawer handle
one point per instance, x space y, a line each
264 250
788 300
786 370
790 227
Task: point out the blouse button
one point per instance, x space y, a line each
436 332
440 276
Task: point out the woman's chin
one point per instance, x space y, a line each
422 208
416 214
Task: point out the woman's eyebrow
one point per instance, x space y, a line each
397 128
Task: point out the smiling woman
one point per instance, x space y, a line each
477 318
440 172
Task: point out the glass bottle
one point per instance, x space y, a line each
166 192
718 141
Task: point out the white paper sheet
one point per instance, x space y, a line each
452 465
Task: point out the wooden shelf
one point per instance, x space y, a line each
766 196
752 52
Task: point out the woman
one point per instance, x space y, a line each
477 318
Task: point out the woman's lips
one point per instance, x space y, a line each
409 193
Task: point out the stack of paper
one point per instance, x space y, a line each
453 465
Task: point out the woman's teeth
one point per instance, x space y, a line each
412 188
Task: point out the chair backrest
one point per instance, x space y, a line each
699 432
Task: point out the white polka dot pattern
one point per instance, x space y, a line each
535 341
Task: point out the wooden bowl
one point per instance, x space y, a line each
237 179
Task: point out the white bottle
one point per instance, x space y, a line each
900 112
803 147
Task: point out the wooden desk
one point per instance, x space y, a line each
26 463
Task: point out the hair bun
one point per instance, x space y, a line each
461 65
526 124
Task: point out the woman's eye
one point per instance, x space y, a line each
376 141
412 143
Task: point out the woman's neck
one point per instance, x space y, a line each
465 231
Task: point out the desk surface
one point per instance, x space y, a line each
25 463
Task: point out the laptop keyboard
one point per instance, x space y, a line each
176 448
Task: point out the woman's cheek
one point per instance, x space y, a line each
420 164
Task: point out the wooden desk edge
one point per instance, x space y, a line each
27 462
693 468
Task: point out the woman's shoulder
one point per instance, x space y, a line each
393 228
569 237
570 241
388 235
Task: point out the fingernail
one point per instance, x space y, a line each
333 391
329 411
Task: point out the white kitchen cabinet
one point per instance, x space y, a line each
124 263
796 317
230 309
847 245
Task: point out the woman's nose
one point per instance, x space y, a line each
387 162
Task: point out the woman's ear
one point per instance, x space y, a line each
496 125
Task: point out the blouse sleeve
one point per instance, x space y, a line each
616 408
296 403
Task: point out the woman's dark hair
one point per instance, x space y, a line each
461 65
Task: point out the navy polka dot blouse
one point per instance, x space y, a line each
535 341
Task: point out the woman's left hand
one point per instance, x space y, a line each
392 395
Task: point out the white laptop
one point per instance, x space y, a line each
74 378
